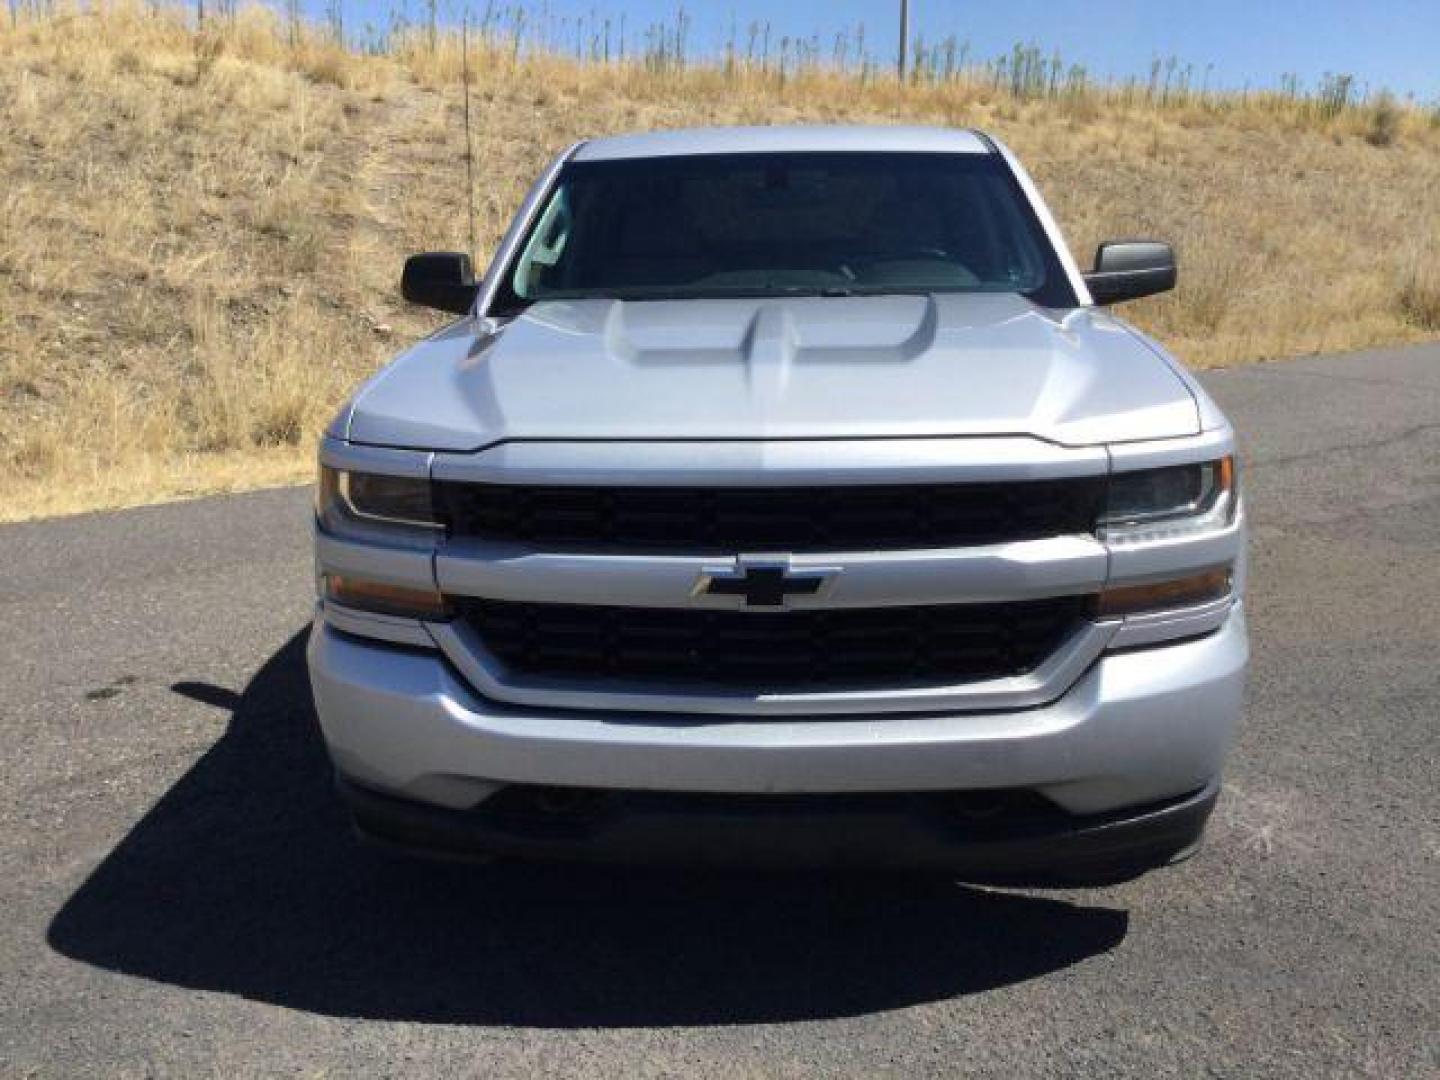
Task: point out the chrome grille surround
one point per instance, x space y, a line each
560 552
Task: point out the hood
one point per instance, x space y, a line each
811 367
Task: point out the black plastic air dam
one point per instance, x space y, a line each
1036 850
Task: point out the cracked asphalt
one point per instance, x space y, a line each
180 896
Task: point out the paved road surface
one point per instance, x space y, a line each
179 895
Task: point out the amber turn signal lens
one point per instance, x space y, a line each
385 599
1160 595
1225 473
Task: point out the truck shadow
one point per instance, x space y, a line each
244 879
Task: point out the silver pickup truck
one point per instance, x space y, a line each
784 496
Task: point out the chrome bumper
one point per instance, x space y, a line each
1138 726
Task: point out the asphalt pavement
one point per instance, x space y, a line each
179 895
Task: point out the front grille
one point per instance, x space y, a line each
857 518
775 651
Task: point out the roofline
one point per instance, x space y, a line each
798 138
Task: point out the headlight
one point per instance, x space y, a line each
360 504
1169 503
394 511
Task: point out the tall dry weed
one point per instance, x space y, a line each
1417 294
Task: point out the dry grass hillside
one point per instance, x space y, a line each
201 232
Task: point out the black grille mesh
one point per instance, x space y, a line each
732 520
775 651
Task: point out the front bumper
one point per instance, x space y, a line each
1139 727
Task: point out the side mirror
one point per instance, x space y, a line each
440 279
1130 269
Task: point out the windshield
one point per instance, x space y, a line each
784 225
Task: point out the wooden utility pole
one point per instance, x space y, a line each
904 37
